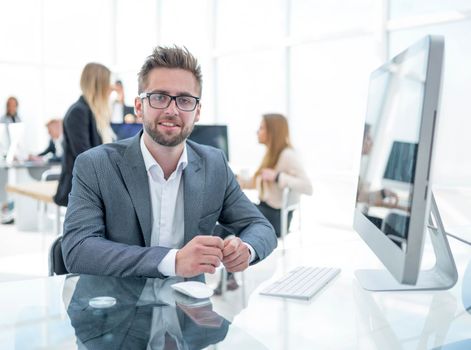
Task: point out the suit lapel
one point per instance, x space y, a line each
134 173
193 190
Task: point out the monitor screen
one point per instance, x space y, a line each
125 130
392 203
211 135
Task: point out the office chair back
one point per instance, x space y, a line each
56 260
289 203
51 175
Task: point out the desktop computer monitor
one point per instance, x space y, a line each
398 139
125 130
211 135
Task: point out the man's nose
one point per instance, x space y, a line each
172 107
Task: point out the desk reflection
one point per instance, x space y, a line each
380 323
147 314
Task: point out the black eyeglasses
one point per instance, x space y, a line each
160 100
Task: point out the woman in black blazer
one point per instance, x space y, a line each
86 123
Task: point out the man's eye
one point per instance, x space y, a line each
185 100
159 98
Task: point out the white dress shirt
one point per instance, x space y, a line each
168 224
168 220
117 112
58 145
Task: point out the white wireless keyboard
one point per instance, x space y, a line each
301 283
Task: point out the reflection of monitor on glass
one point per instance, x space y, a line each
402 105
211 135
124 130
399 172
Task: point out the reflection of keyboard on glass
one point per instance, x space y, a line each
302 282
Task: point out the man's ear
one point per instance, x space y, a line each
198 111
138 106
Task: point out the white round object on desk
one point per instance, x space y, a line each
102 302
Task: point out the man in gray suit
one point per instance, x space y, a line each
148 205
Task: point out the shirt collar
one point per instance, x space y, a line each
150 162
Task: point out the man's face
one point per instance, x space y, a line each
54 129
11 107
169 126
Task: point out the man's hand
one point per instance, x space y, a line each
235 255
201 255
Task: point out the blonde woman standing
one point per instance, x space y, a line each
86 123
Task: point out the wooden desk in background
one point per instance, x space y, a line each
42 191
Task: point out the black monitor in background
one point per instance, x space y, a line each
211 135
124 131
401 160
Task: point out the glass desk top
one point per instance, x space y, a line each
92 312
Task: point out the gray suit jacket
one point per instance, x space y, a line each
107 228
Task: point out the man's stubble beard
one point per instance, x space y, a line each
165 140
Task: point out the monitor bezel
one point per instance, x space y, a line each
405 266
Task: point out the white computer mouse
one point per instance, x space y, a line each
193 289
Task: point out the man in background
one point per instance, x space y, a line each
121 113
54 149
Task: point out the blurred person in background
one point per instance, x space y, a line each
11 113
121 113
86 123
280 168
10 116
54 149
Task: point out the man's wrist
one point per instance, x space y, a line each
167 265
252 253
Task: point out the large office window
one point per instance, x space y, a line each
326 18
45 45
407 8
451 20
249 84
189 23
247 24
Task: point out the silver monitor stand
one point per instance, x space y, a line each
442 276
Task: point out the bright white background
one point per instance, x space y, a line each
307 59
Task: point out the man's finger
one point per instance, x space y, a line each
236 258
212 251
231 247
238 267
212 241
210 260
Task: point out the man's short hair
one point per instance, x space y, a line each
170 57
53 120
